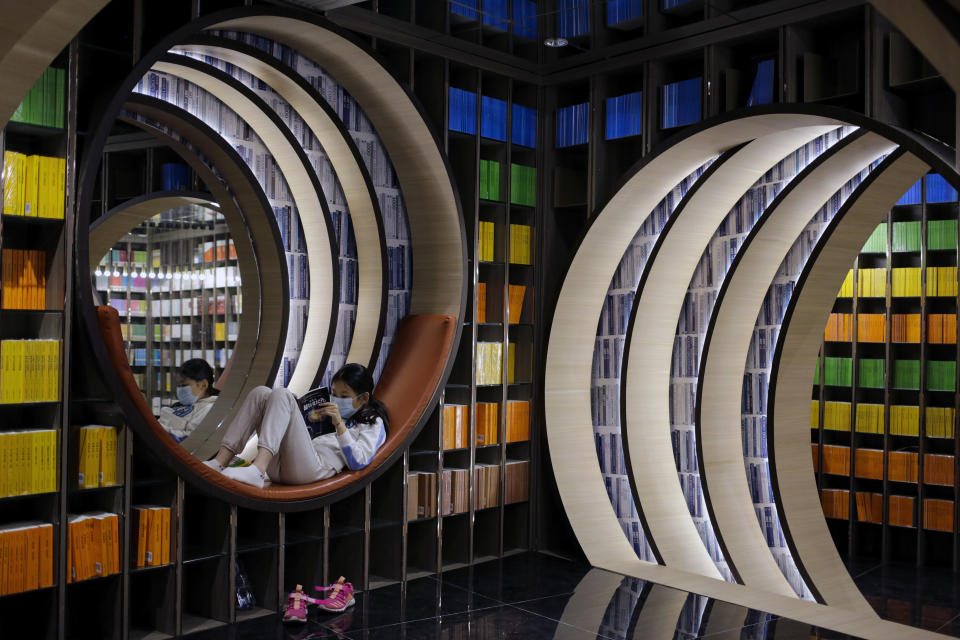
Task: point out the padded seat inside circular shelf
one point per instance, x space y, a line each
410 377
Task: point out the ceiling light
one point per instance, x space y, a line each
555 42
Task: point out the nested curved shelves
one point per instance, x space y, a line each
351 172
307 195
753 143
437 236
719 430
242 200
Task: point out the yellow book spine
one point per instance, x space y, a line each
4 464
10 205
61 189
32 179
165 536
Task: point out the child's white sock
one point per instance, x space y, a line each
213 464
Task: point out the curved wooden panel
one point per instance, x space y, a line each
108 229
719 389
31 36
645 376
267 267
570 349
307 195
788 407
351 171
436 232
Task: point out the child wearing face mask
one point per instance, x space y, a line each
195 396
286 453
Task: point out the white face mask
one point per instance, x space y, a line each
345 406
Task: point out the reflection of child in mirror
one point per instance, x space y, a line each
195 398
286 453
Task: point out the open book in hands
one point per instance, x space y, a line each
310 402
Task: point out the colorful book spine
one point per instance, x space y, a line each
28 462
487 241
151 524
44 103
27 552
520 238
33 186
24 279
30 371
456 426
487 426
518 421
93 545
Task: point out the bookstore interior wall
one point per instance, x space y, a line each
256 93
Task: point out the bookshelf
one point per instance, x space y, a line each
34 325
888 484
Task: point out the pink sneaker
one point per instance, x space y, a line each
296 606
340 598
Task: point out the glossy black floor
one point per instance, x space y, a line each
530 596
928 598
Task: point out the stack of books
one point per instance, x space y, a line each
44 104
421 495
518 421
515 295
455 491
24 284
488 414
151 525
29 371
520 244
517 487
28 462
96 456
93 547
487 240
486 486
27 552
456 426
33 186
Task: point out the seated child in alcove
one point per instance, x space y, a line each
195 398
286 452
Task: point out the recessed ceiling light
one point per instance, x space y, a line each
555 42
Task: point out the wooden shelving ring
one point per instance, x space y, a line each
719 445
352 173
567 397
109 228
437 234
308 197
242 202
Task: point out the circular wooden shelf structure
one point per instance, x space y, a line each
242 202
751 142
437 237
307 194
352 173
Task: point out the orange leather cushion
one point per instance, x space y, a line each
411 374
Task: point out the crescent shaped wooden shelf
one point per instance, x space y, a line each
727 340
33 34
570 348
436 230
307 194
351 171
801 334
109 228
257 353
648 350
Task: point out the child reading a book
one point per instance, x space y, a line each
286 453
195 396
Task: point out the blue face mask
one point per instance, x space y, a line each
345 406
185 395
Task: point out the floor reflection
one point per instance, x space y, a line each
532 596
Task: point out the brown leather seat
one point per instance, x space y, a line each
412 372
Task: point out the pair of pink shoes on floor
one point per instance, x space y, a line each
340 598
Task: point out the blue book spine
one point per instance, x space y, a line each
463 111
524 126
465 8
762 90
572 124
939 190
681 103
619 11
525 19
495 14
573 18
493 118
913 194
624 115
